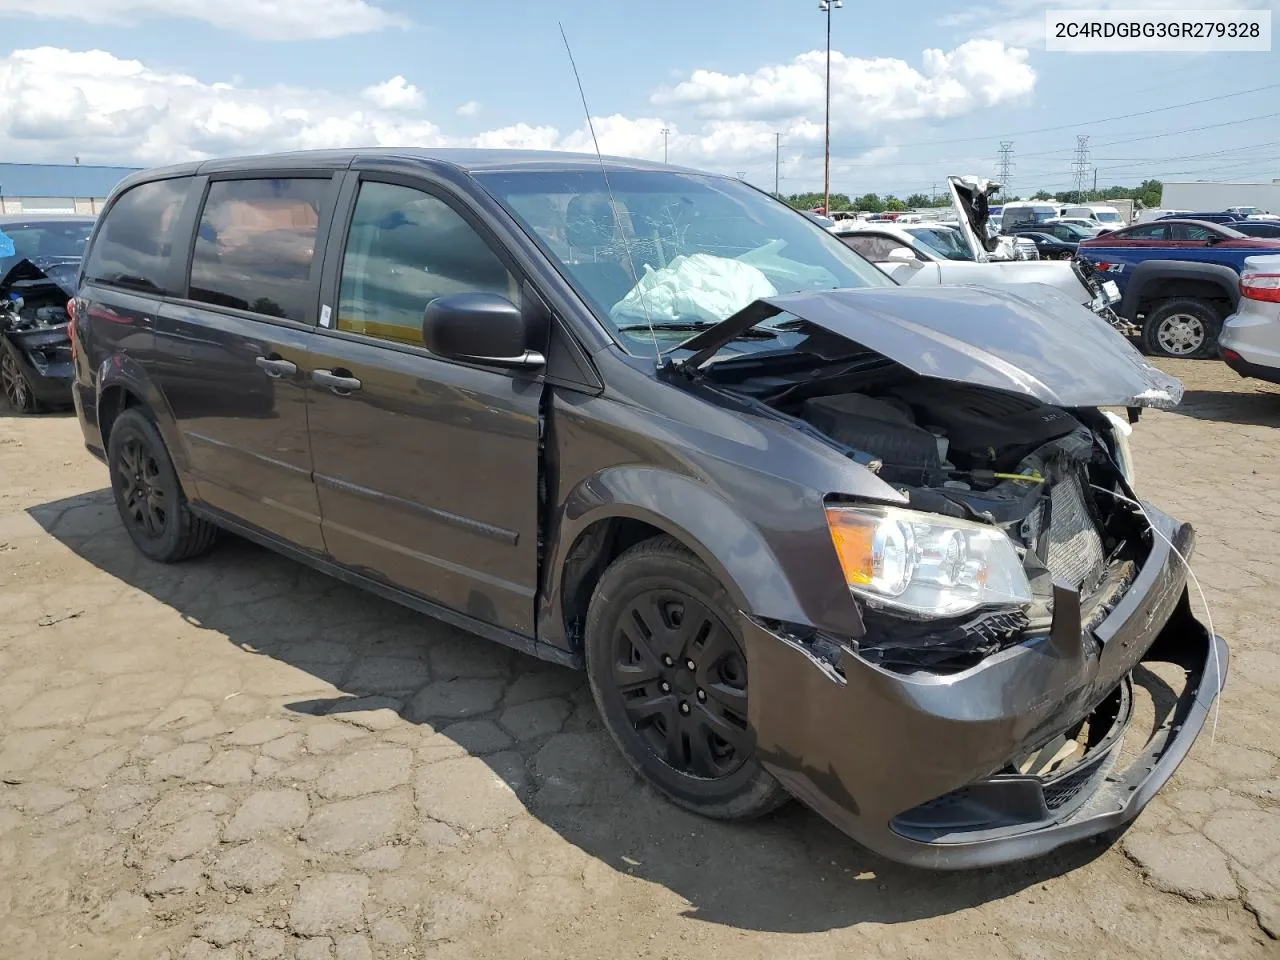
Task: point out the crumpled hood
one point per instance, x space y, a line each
1037 342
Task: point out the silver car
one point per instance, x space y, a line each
1250 338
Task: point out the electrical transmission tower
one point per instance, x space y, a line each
1006 167
1081 167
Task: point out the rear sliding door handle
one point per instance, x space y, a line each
338 384
275 367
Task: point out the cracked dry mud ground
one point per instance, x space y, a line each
239 758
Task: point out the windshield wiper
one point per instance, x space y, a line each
695 326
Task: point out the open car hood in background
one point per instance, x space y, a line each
970 196
1037 342
59 271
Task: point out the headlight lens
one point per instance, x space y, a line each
926 564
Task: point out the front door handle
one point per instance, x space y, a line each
337 383
275 367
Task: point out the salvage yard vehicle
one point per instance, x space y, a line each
1049 246
1251 336
39 259
934 254
810 533
1178 279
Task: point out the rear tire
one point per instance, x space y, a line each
16 388
1182 328
148 495
656 611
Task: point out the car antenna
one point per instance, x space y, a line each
613 204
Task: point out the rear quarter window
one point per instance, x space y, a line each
256 244
133 247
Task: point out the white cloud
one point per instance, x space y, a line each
865 92
109 109
263 19
57 103
469 109
394 94
520 136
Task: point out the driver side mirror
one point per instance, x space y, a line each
482 328
903 255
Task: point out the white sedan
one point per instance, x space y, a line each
935 254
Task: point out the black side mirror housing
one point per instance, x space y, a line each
482 328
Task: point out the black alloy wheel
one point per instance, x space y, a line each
148 495
17 391
669 675
146 502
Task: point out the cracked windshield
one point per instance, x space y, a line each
682 252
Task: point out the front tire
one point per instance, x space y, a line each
148 495
1183 329
17 389
669 677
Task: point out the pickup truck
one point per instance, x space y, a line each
1178 280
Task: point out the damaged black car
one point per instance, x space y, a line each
39 260
810 533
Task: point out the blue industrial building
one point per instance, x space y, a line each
56 187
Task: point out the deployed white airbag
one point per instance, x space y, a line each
696 287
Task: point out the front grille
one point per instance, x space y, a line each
1074 554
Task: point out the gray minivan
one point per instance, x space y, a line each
810 533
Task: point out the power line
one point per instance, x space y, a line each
1123 116
1159 136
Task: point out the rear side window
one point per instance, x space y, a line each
256 244
1152 232
136 240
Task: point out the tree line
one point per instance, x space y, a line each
1147 194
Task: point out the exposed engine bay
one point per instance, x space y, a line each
35 294
974 453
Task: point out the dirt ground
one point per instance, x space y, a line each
239 758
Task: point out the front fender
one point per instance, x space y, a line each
121 371
1145 278
732 547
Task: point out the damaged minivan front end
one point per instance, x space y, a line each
1007 578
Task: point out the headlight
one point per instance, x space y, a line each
1120 430
926 564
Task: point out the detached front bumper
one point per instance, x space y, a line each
909 766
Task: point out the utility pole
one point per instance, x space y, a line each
1081 167
777 163
1095 179
665 133
826 6
1006 167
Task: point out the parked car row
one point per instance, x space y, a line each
1179 279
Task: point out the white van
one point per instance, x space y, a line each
1106 216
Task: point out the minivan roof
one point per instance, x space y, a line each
467 160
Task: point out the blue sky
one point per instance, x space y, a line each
150 81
